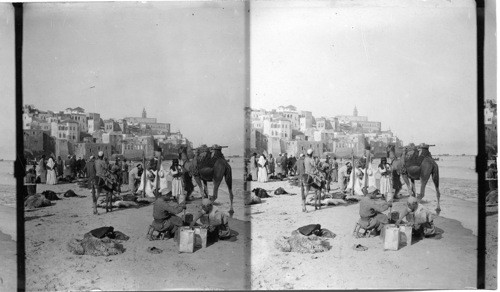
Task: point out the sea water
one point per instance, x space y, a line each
457 174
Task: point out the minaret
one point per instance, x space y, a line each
144 113
355 112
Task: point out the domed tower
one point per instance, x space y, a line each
355 112
144 112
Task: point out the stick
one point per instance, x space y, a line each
158 166
144 172
353 172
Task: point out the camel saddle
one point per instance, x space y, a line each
412 164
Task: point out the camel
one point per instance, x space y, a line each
208 168
423 172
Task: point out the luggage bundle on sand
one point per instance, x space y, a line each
307 239
99 242
36 201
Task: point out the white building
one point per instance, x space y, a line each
278 128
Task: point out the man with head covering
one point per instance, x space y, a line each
254 166
103 179
134 178
51 171
423 153
166 216
262 174
344 175
41 170
213 219
270 165
370 211
300 171
125 171
284 164
279 167
91 179
421 219
335 170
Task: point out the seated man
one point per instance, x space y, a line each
165 211
214 220
417 216
370 211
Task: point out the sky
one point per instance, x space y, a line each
413 68
182 62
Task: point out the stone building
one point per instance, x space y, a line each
33 140
85 150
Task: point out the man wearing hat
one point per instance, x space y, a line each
216 151
424 152
213 219
417 216
370 211
165 216
344 175
134 178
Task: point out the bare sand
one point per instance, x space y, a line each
446 261
8 254
50 266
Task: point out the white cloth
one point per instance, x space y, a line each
371 176
149 185
177 186
385 182
358 185
51 172
262 175
163 176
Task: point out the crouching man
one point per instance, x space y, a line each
419 218
371 212
214 220
165 214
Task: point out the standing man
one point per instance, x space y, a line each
254 167
335 170
327 169
91 174
73 165
42 170
284 164
344 176
101 169
60 167
301 173
125 171
270 165
134 178
279 168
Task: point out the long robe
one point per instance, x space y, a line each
51 172
262 176
177 186
41 171
385 182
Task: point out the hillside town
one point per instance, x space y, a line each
292 131
83 134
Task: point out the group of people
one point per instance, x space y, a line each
262 168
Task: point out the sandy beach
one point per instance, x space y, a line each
447 261
8 258
50 266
